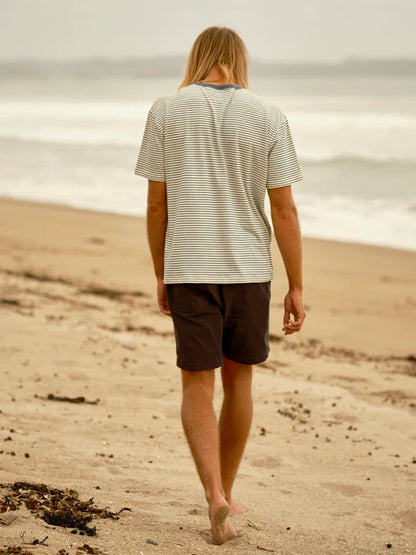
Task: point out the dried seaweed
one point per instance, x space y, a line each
112 294
52 397
38 277
10 302
35 541
55 506
88 549
15 551
8 519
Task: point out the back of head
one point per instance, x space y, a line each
218 48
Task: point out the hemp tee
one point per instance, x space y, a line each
217 148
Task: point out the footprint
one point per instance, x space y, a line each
369 525
407 517
343 489
266 462
195 512
351 379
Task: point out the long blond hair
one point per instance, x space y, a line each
221 48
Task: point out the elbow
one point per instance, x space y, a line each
156 208
157 215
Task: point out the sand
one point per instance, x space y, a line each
330 465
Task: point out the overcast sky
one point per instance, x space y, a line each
290 30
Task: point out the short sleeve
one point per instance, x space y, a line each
151 158
283 164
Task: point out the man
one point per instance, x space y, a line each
210 152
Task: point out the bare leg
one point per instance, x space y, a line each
201 431
234 423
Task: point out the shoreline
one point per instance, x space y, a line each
123 214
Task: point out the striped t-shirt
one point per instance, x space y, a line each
217 148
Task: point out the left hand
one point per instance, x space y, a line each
162 299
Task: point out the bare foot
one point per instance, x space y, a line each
221 527
237 508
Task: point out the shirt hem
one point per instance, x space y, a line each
219 280
286 184
150 176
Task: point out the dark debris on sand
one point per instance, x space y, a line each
92 289
113 294
15 551
52 397
88 549
315 348
82 549
55 506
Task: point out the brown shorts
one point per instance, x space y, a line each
216 320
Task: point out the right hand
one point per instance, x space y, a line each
293 305
162 298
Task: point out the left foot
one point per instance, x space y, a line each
237 508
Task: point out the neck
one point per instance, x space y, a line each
214 76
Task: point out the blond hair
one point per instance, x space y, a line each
221 48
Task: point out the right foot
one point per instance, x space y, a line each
221 527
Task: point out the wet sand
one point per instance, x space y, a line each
330 466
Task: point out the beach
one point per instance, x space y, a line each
330 465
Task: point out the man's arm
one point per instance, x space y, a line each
156 223
287 231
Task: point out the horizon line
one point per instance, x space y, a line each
98 57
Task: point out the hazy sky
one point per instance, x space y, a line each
293 30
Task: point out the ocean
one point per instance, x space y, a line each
75 140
